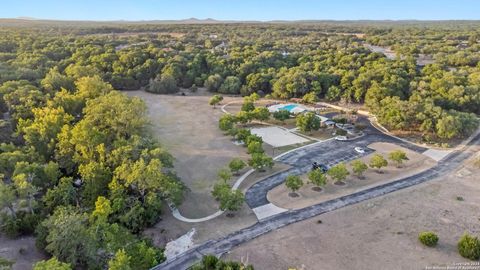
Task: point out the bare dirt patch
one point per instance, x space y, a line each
188 127
377 234
416 163
22 251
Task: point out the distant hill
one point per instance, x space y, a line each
27 18
29 22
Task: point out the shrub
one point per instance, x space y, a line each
52 264
378 161
28 222
429 239
5 264
281 115
255 147
213 82
226 122
236 165
193 88
398 156
310 97
341 132
165 84
210 262
359 167
293 182
248 106
231 85
469 247
308 122
10 226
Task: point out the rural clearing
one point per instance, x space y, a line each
188 127
371 234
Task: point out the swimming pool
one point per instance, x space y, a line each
288 107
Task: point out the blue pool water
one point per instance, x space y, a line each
289 107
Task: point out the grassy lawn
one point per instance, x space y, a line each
289 123
269 150
321 134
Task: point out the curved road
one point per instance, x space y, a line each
226 243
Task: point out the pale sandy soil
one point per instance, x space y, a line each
188 127
22 251
416 163
380 233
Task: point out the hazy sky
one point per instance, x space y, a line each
241 9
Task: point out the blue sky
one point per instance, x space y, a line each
241 9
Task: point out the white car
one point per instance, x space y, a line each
341 138
359 150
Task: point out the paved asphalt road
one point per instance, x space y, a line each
330 152
224 244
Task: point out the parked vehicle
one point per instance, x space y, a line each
322 167
359 150
341 138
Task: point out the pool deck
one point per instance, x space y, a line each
291 107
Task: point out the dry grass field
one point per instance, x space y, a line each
380 233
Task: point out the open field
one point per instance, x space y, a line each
416 163
188 127
380 233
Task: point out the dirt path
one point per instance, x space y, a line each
22 251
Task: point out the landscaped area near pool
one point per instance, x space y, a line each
278 137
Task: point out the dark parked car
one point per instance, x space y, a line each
322 167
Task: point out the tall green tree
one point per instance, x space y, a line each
398 156
121 261
215 100
293 182
359 167
260 161
51 264
308 122
378 161
236 165
338 173
318 178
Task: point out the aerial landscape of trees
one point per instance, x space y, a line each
80 171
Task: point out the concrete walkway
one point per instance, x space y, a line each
268 210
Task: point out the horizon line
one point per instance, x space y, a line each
27 18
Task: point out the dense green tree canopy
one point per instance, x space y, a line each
77 162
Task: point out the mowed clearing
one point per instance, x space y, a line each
188 127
